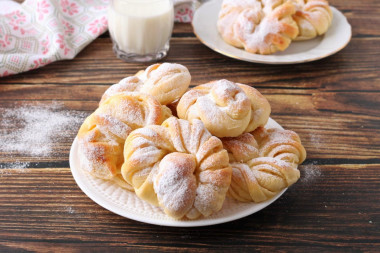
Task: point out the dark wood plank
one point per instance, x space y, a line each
348 102
312 214
97 64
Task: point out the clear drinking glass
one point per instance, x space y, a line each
140 29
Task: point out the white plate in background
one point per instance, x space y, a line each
334 40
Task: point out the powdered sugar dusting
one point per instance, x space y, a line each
33 130
128 84
114 125
157 73
69 209
310 172
175 183
282 144
222 106
255 24
241 148
256 36
15 165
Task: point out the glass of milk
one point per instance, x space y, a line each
140 29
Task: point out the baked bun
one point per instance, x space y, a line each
102 135
128 84
227 109
241 148
281 144
261 178
262 27
178 166
313 18
167 82
263 163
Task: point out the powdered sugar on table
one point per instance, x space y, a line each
33 130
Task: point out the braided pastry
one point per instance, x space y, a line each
281 144
258 26
227 109
178 166
263 163
102 135
241 148
260 179
166 82
313 18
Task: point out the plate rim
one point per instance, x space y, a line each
108 205
270 62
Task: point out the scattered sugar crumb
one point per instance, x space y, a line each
316 141
3 172
15 165
310 173
34 129
69 209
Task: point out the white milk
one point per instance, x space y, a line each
141 26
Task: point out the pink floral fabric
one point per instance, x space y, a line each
38 32
183 12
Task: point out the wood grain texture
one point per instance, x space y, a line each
334 73
105 68
333 104
59 214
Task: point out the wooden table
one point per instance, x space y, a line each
333 104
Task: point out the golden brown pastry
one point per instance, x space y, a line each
260 108
241 148
313 18
263 163
102 135
258 26
227 109
281 144
128 84
167 82
261 178
178 166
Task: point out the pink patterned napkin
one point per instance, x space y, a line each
38 32
183 11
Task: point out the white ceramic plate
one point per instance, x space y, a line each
125 203
335 39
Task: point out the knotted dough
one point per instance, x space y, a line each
258 26
281 144
313 18
261 178
227 109
263 163
102 135
167 82
178 166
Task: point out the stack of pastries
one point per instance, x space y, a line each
268 26
218 146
